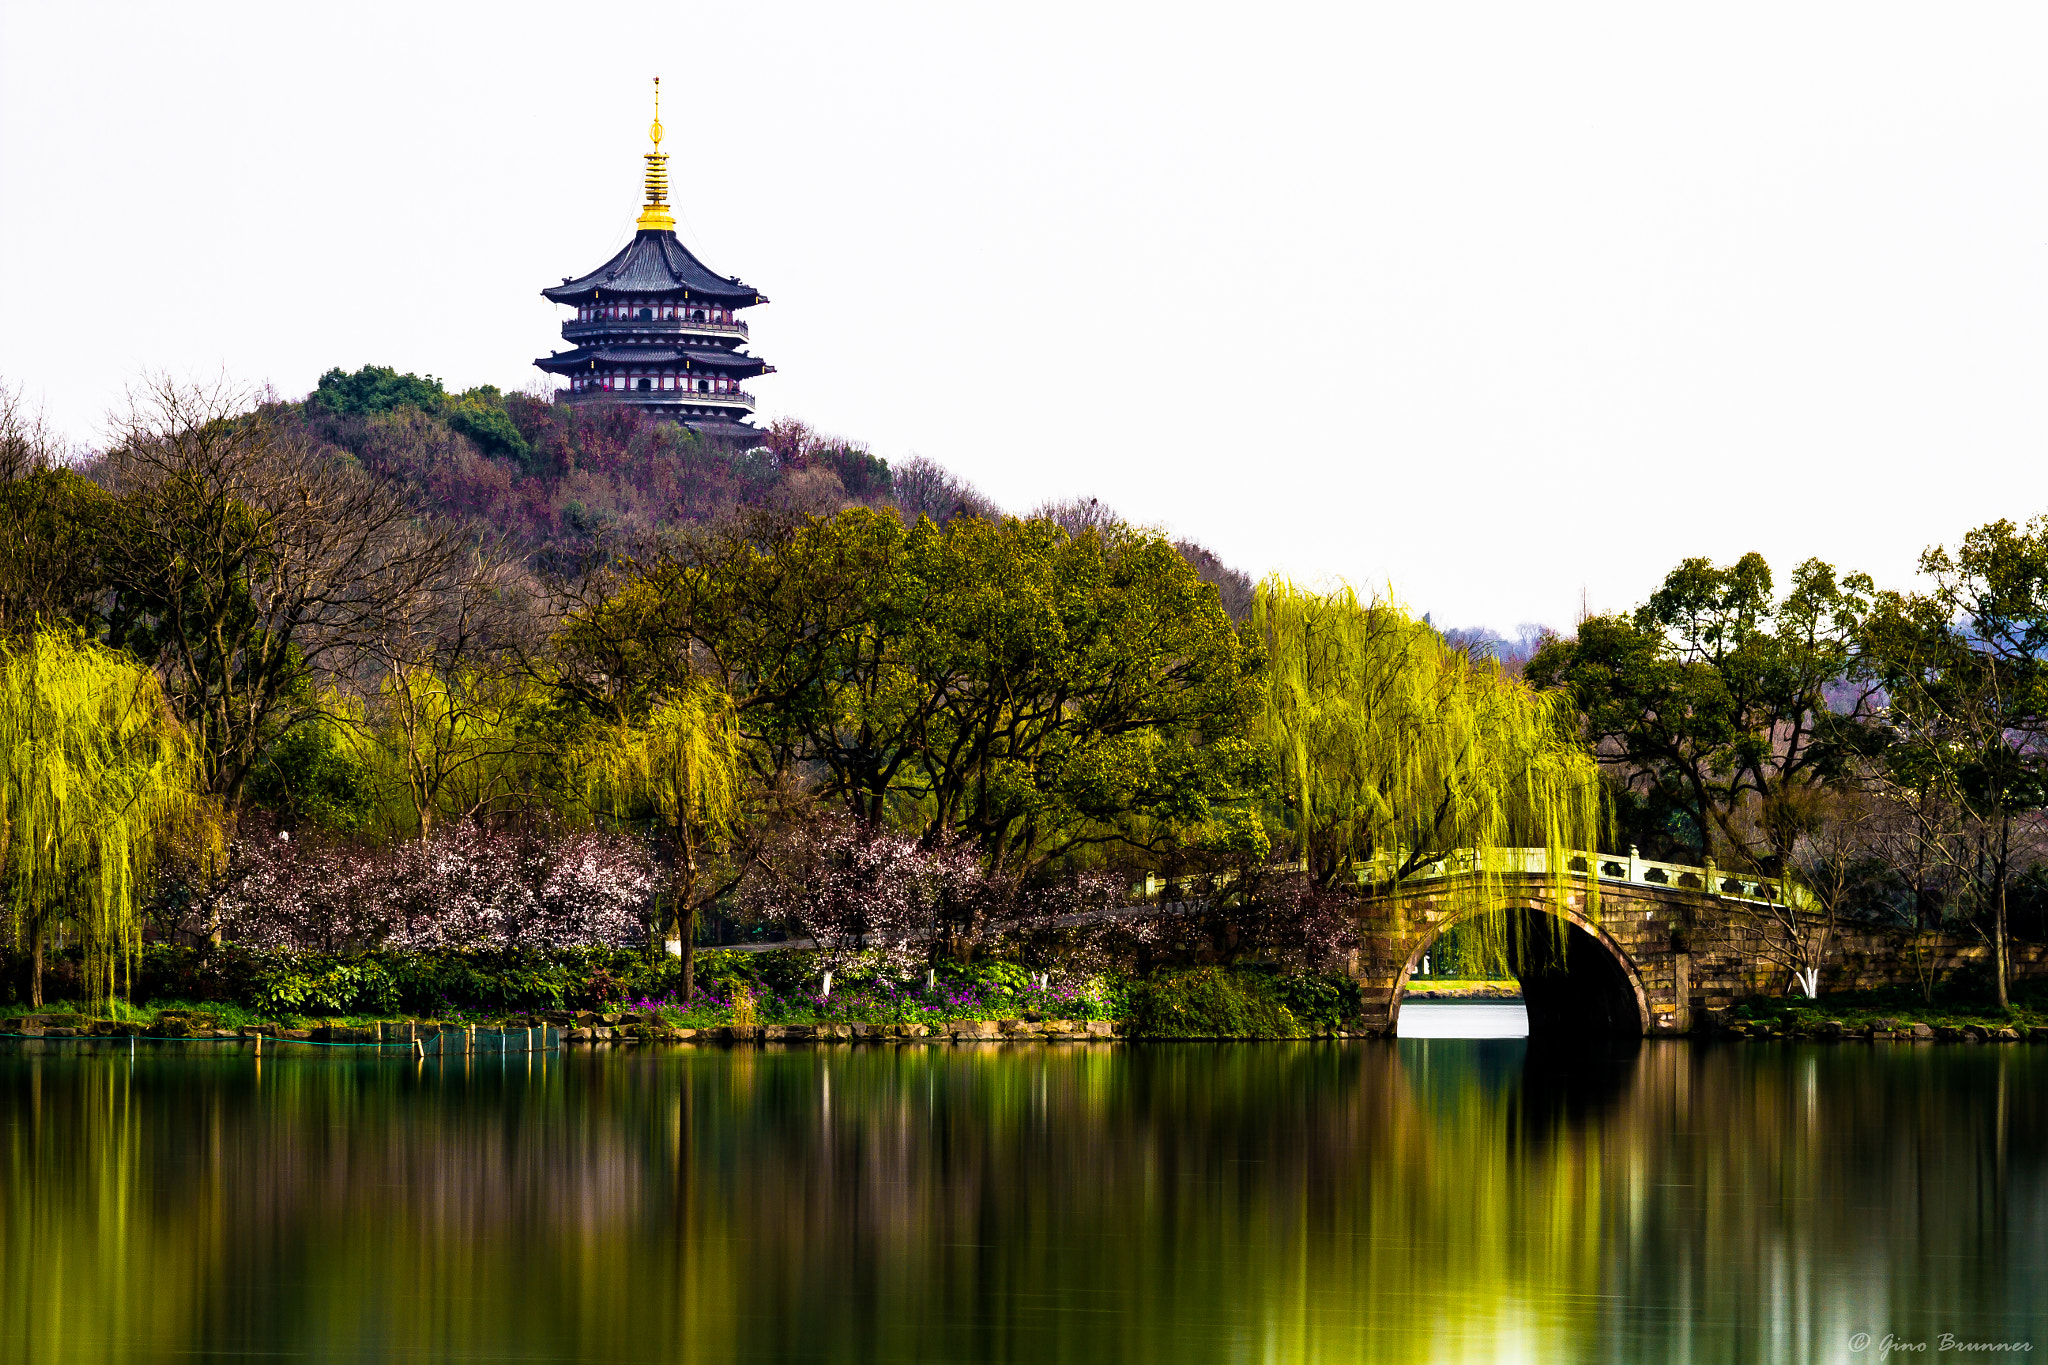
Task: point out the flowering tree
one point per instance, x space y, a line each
851 889
855 890
459 888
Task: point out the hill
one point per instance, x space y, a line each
554 477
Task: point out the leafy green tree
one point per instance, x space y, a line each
50 523
315 775
477 413
1393 750
1053 688
95 776
1036 692
1711 699
480 415
1963 670
376 388
52 528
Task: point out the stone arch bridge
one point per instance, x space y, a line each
1646 945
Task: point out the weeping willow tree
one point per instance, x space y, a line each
681 768
98 776
1396 752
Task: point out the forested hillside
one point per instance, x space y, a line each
556 478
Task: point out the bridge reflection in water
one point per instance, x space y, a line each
1378 1200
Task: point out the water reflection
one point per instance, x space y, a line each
1420 1200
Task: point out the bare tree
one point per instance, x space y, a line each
1233 586
27 446
446 691
244 560
1078 516
925 488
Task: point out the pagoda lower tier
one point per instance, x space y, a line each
670 380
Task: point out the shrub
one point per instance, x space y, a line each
1321 1002
1211 1002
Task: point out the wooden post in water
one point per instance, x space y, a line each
259 1047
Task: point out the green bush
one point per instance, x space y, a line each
490 428
1321 1002
360 986
996 979
1211 1002
376 388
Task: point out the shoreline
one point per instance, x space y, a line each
489 1040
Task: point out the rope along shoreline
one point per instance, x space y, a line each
416 1046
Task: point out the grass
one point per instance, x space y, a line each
711 1010
2029 1009
1463 983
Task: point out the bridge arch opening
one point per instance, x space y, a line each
1576 984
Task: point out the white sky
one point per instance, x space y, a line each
1510 306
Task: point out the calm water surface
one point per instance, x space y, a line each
1420 1200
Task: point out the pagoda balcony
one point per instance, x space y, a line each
575 330
660 398
733 399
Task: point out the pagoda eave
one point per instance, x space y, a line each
655 265
694 362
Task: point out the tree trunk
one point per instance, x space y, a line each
683 911
689 933
35 967
1998 915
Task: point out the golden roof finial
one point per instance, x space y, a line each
656 214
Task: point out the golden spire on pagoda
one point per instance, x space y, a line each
656 214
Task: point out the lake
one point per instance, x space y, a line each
1428 1199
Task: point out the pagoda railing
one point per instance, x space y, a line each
734 399
664 397
660 326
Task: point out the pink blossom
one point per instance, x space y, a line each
460 888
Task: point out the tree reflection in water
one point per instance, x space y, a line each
1438 1199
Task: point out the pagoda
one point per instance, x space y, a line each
654 327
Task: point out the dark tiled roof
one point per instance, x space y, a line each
581 357
720 430
636 356
723 360
654 262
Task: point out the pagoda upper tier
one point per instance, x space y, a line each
654 262
655 327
